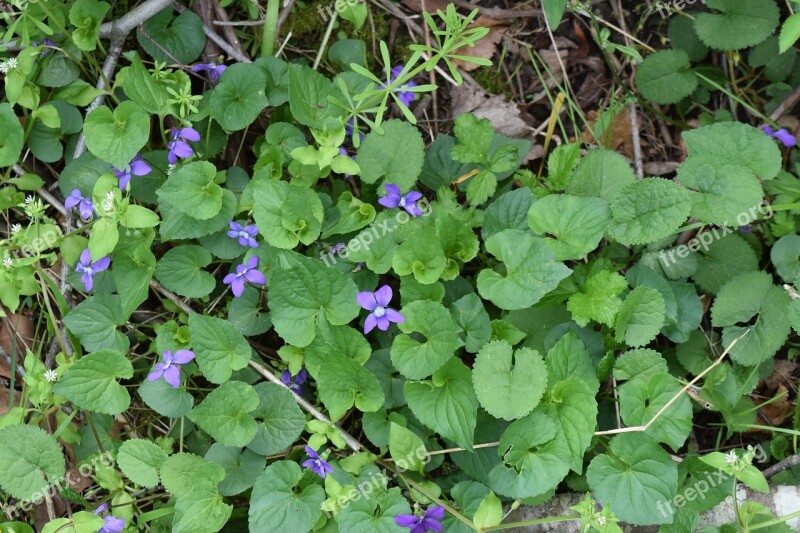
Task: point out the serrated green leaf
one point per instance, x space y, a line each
642 397
446 403
239 98
274 500
598 299
531 270
576 224
648 210
191 190
30 461
396 155
665 77
602 173
744 298
140 460
183 473
633 481
181 271
224 413
641 317
430 321
303 288
280 420
286 214
740 24
91 383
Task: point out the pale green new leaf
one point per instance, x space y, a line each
641 317
191 190
287 214
396 155
140 460
576 224
509 384
598 299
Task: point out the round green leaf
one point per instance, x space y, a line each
508 383
665 77
239 98
91 383
181 271
116 137
141 460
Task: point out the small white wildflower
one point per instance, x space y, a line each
11 63
28 200
7 262
170 168
731 458
50 375
601 520
16 228
3 68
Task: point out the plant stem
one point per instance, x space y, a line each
779 520
325 40
270 28
546 520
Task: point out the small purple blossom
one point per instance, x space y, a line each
170 368
245 234
408 201
85 207
295 384
179 145
431 521
90 268
47 43
404 96
380 314
245 272
214 69
111 524
745 229
317 464
786 138
137 167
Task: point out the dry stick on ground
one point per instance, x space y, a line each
351 441
789 462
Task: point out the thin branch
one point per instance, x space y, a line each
789 462
222 43
126 23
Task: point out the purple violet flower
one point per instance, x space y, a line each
404 96
246 234
317 464
214 69
90 268
179 145
170 368
407 202
85 207
745 229
137 167
786 138
245 272
380 314
47 43
431 521
111 524
295 384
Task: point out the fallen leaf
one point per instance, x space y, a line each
504 116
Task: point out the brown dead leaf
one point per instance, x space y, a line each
782 374
485 48
430 5
616 137
504 115
4 397
777 410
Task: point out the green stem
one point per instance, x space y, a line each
779 520
325 40
784 207
94 431
533 522
736 504
270 28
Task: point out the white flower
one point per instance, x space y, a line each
3 68
11 63
50 375
731 458
7 262
16 228
28 200
601 520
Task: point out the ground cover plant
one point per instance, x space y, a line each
282 268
